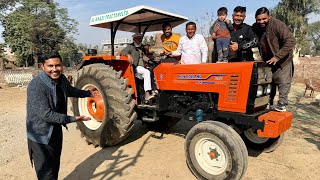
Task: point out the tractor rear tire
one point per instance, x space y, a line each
266 145
112 115
215 151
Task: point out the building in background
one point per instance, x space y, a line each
119 44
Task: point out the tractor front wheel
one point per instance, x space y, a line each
112 113
215 151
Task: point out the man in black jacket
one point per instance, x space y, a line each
47 97
243 39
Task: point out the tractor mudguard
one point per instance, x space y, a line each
118 63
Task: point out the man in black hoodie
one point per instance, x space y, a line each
47 97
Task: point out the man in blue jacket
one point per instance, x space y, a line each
47 97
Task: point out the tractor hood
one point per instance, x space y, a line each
136 19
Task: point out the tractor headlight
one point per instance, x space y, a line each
260 90
268 89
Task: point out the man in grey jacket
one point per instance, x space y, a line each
47 97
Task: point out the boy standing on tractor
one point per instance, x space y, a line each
222 35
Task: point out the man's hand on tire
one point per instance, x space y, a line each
82 118
95 93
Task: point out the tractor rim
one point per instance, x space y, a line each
92 107
253 137
211 156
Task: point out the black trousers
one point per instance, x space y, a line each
46 157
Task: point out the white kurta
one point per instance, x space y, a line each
192 51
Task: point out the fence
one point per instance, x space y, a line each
17 78
25 75
306 71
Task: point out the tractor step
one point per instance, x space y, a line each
146 106
149 119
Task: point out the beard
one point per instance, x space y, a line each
263 26
136 44
168 34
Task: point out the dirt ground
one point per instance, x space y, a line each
144 155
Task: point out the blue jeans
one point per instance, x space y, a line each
222 45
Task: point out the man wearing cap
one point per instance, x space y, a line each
134 53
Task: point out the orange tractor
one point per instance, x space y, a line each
227 100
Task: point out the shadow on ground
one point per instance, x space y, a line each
317 143
306 114
86 169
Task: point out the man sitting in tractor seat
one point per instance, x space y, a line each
134 53
170 42
192 47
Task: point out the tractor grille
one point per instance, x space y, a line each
233 88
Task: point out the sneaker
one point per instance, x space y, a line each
155 93
148 97
282 108
270 107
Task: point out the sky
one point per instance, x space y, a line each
82 10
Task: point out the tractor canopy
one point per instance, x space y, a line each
140 19
137 19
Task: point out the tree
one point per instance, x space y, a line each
294 13
145 39
5 5
37 26
149 40
1 56
152 41
69 52
96 47
83 47
204 23
314 35
17 37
